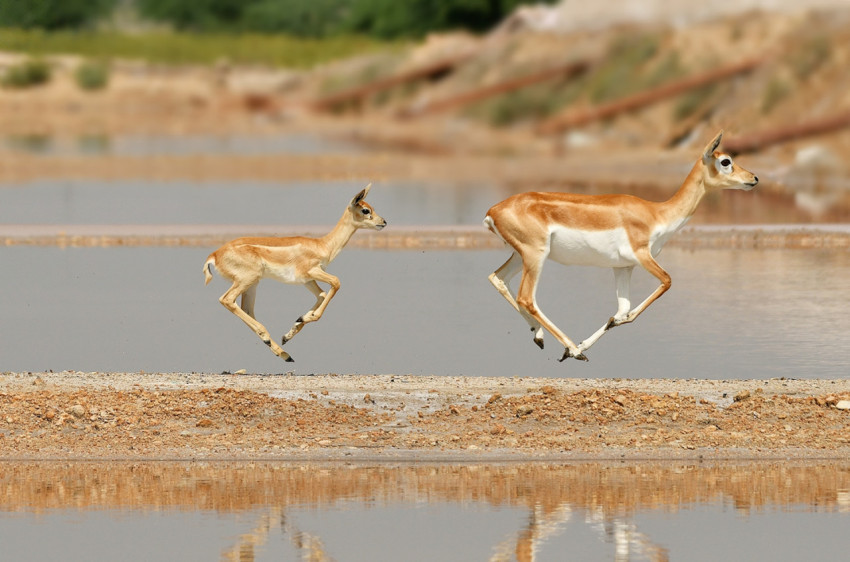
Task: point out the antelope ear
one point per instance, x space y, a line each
360 196
708 153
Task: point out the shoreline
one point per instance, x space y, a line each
459 237
181 417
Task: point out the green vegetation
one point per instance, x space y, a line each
619 74
692 101
534 102
289 33
53 14
92 75
811 54
31 72
387 19
186 48
775 91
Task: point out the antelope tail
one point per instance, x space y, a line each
208 265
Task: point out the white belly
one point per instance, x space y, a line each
602 248
282 273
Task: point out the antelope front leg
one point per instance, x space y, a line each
228 299
320 295
322 300
622 280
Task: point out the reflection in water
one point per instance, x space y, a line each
616 508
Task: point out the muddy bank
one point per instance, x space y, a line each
112 416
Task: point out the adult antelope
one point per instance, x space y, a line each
296 260
617 231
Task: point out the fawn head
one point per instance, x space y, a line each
363 214
721 172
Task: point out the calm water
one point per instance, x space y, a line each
730 314
249 202
151 145
523 512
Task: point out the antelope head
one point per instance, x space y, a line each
362 213
721 172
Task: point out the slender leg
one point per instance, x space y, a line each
314 288
323 276
500 279
624 316
622 280
527 299
248 299
649 263
322 300
228 299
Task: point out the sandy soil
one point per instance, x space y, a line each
110 416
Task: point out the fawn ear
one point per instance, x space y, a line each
360 196
708 153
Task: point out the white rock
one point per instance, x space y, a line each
843 405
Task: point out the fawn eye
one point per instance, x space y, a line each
365 211
725 162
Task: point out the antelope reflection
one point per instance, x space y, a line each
543 524
309 547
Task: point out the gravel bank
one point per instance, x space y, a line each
144 416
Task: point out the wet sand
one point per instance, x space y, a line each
183 416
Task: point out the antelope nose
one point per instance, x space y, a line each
755 179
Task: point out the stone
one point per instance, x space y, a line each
743 395
77 411
523 410
843 405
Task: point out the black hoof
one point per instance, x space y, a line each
567 355
290 359
539 342
283 340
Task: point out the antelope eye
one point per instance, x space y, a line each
365 211
725 162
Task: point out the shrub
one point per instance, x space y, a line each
30 72
775 91
92 75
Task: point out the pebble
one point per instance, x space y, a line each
523 410
743 395
843 405
78 411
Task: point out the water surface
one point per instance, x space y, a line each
731 314
182 145
292 511
136 201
